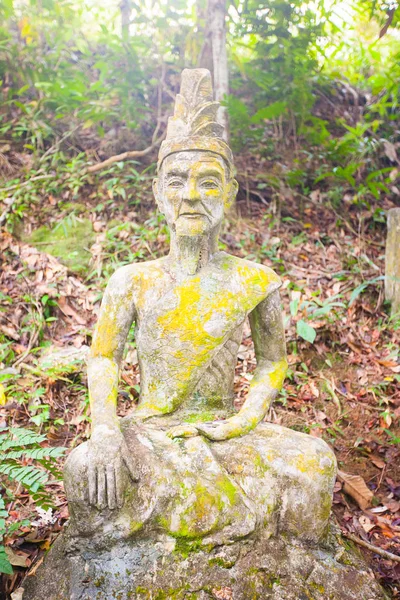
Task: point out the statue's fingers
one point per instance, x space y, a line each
211 432
111 487
130 464
181 431
119 487
92 480
101 488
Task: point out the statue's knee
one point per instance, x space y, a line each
75 473
326 458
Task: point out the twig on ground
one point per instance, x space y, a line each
375 549
32 340
263 200
331 387
377 408
124 156
55 146
21 184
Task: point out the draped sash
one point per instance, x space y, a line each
181 333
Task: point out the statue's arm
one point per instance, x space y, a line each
109 460
269 343
115 319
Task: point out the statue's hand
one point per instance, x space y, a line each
184 431
110 466
223 430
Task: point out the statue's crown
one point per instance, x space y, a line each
194 125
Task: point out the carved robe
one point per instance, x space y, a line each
187 337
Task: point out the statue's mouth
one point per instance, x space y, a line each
192 215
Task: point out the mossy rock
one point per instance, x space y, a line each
255 568
60 361
69 242
76 207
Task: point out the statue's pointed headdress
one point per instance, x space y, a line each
194 125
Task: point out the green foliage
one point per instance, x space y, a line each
24 461
274 110
313 310
74 88
17 446
278 56
5 566
306 331
363 286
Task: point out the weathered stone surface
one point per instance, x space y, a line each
186 462
166 568
63 360
392 266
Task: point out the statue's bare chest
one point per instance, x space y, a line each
185 327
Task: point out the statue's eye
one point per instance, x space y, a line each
209 184
175 183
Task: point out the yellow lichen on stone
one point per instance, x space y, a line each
105 342
277 375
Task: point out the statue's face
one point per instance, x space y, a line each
192 191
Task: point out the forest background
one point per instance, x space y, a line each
313 109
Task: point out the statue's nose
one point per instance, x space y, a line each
191 191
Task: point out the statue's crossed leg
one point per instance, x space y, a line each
273 478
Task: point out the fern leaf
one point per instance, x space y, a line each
5 566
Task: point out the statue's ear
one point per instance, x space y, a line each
231 194
157 195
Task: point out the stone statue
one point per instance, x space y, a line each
185 462
187 499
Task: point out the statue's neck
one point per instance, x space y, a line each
189 254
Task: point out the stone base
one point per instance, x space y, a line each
250 569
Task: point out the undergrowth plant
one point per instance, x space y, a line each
24 463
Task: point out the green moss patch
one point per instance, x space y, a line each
69 242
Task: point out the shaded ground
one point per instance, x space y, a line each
344 387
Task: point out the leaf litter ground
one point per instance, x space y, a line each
344 387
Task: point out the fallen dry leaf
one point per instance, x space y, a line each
393 506
68 311
378 462
10 332
98 225
389 148
355 486
366 524
17 560
18 594
379 509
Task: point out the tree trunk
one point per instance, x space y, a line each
392 267
205 60
215 48
126 9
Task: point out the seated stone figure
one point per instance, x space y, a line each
185 463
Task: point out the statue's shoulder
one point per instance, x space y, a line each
253 274
129 277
